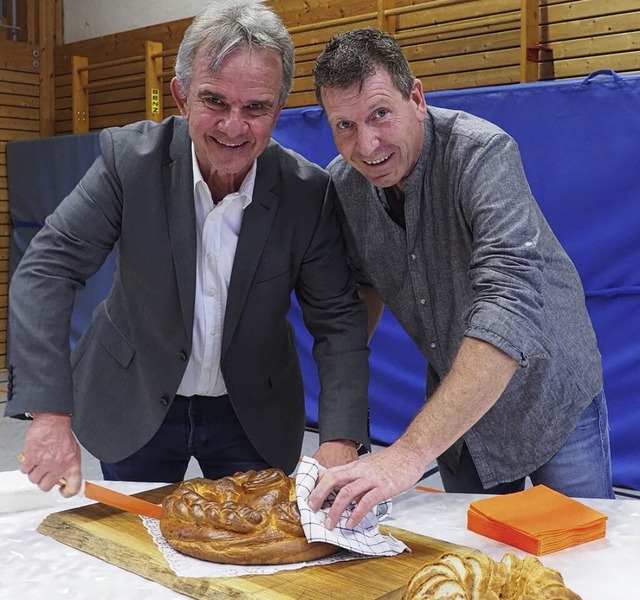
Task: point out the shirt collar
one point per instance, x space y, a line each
413 182
246 187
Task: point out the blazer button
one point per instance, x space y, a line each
164 400
183 355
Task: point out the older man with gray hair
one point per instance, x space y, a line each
215 224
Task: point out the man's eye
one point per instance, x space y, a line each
381 112
343 125
211 100
254 106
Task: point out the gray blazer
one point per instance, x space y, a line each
120 379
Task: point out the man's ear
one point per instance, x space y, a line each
417 95
179 97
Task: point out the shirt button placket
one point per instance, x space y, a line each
416 277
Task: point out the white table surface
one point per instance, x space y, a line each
37 567
605 569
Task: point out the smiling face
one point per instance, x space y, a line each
231 113
376 130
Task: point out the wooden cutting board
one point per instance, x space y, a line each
121 539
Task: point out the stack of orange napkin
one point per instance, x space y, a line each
538 520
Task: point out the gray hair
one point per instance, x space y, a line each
224 27
350 57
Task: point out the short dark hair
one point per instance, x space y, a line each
350 57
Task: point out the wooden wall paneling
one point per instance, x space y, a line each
460 29
309 42
16 83
557 11
302 98
30 104
597 45
127 101
294 13
113 102
19 125
13 135
26 83
620 62
16 56
451 44
104 74
588 35
434 60
440 12
318 34
418 25
474 48
459 78
63 103
594 26
118 119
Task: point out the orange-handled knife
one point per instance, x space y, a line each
115 499
122 501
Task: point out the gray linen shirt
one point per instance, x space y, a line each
479 259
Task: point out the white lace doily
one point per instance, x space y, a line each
186 566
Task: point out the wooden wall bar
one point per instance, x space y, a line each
121 101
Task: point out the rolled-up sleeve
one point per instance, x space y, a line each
506 267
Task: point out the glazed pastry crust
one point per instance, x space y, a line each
478 577
249 518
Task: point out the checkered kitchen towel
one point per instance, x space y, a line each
363 539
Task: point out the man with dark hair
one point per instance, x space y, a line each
442 228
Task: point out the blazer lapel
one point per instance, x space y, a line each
181 218
256 224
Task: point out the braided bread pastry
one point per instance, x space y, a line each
249 518
478 577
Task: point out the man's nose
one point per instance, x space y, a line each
233 123
368 141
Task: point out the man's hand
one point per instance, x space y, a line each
477 378
336 452
368 481
51 454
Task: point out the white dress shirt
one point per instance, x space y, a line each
217 230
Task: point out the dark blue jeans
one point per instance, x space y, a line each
200 427
581 468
